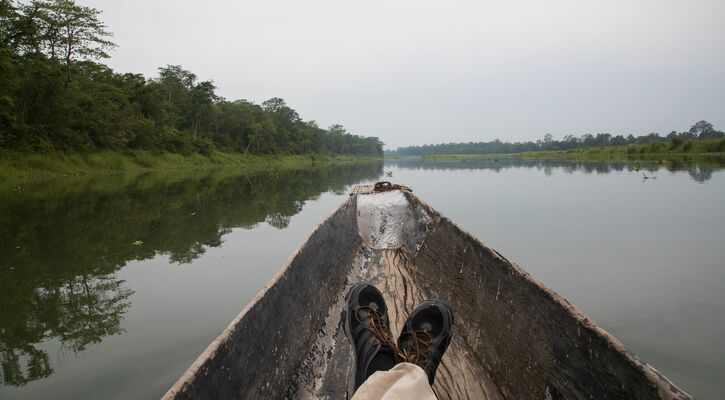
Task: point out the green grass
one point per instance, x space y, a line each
654 150
702 148
31 166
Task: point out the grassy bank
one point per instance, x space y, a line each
659 149
29 166
653 150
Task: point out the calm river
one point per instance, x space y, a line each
111 286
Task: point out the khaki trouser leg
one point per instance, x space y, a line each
403 382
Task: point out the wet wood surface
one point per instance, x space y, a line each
459 376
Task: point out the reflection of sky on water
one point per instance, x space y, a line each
643 259
699 170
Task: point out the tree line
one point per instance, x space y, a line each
699 131
55 95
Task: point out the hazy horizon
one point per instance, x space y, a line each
416 74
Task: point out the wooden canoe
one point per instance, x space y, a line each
514 337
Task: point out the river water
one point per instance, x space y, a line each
111 286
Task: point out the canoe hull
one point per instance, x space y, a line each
514 338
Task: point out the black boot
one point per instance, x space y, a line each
426 335
368 329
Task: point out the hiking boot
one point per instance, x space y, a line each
426 335
368 329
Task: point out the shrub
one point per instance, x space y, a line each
721 145
203 146
145 135
656 147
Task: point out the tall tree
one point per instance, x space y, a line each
19 28
201 100
174 86
286 121
7 15
71 32
8 84
704 130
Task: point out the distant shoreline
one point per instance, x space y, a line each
694 148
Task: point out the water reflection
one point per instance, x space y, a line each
78 311
643 260
61 244
700 170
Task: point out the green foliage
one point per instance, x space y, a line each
60 30
717 146
656 147
8 85
657 150
54 96
22 166
676 142
704 130
701 130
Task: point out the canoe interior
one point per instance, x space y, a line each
513 337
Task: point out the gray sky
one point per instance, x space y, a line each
414 72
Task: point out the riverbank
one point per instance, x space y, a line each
33 166
659 150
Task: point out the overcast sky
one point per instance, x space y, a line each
415 72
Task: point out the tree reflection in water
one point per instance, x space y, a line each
78 312
62 242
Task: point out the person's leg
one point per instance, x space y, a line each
405 381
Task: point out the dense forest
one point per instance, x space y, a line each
55 95
700 131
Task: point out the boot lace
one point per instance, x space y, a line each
420 347
381 333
